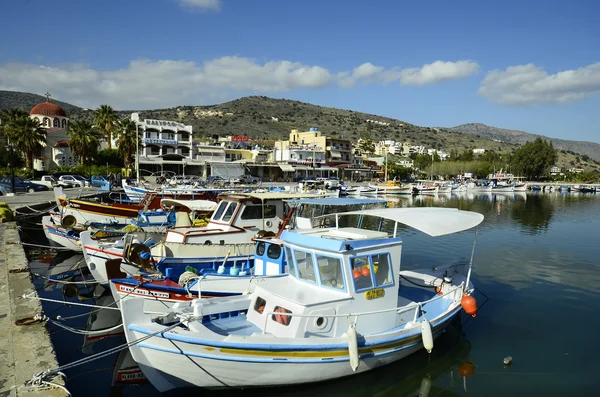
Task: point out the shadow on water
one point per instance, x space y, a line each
421 374
536 259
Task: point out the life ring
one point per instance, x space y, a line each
285 320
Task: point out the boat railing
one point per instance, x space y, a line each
455 293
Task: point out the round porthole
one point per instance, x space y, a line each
320 322
269 223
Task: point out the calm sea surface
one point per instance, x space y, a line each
537 260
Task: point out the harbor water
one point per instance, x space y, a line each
536 269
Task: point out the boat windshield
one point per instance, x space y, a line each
323 270
219 212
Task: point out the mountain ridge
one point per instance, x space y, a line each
266 119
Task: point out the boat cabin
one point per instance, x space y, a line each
309 213
332 272
238 218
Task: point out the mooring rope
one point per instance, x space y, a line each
29 296
46 246
41 378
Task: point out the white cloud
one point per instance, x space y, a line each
529 84
366 71
145 84
437 71
201 4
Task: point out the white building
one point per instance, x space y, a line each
55 122
167 145
298 154
478 151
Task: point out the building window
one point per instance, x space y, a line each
46 122
56 123
64 123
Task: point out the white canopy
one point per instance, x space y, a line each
194 205
433 221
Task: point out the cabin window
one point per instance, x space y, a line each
382 269
279 315
260 304
330 271
220 210
260 248
274 251
256 212
306 268
229 212
361 273
291 267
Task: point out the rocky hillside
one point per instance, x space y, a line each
590 149
267 119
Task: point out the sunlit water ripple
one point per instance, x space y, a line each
537 259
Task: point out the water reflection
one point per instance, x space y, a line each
533 214
536 257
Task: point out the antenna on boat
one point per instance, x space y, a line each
471 262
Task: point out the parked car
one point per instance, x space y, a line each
47 180
22 184
5 189
98 180
74 180
249 179
215 179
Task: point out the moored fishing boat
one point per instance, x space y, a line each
344 308
238 218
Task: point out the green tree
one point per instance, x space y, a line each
126 142
110 157
366 144
534 159
422 162
106 119
25 134
467 155
84 141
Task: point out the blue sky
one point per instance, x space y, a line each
530 65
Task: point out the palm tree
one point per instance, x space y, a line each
106 119
128 140
26 134
84 140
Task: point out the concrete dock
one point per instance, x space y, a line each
29 199
25 350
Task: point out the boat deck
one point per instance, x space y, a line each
236 325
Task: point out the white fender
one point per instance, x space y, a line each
425 388
352 346
427 335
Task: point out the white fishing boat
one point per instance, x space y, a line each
345 307
238 218
361 191
520 187
479 188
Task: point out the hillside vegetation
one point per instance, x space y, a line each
267 119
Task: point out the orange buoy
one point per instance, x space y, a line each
365 271
438 291
469 304
356 273
466 369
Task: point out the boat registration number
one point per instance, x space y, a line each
375 293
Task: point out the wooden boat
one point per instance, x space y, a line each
345 307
